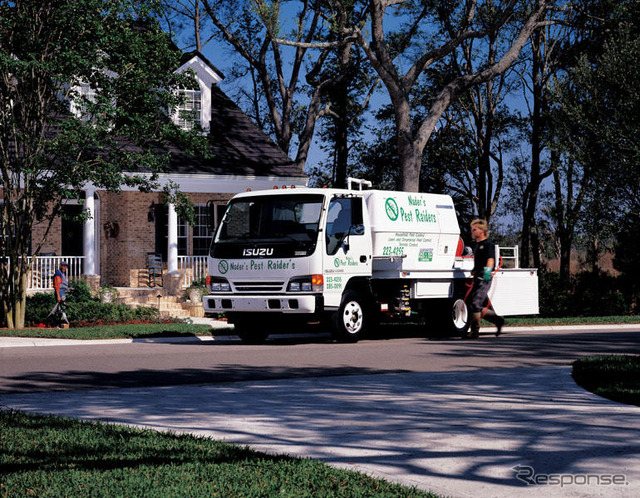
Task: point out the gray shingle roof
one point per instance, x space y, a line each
239 147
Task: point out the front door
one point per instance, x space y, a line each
72 231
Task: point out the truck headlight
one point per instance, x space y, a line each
308 283
218 284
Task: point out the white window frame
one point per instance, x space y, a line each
192 104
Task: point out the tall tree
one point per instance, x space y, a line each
545 58
254 28
85 91
348 94
458 22
595 119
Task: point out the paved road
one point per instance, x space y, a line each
225 359
451 416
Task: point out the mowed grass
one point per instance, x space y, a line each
51 456
615 377
138 331
116 331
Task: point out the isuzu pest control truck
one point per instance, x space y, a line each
350 258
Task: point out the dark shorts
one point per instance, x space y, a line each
478 298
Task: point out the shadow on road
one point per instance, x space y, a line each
462 431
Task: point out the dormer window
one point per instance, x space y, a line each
78 105
190 110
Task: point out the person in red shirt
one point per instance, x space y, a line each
60 288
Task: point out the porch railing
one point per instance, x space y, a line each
40 278
193 268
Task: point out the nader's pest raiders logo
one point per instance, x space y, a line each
391 208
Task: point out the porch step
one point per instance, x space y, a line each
168 306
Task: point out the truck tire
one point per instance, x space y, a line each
250 330
353 318
458 321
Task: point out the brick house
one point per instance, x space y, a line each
111 247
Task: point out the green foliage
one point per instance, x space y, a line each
616 377
55 456
595 123
91 311
116 331
79 291
90 84
627 249
586 294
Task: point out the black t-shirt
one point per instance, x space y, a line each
483 251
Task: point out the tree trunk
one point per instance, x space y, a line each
342 151
566 240
409 155
15 311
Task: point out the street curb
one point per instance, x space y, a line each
13 342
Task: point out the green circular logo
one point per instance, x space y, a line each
391 207
336 263
223 266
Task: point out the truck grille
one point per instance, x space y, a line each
258 286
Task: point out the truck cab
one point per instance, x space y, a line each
286 252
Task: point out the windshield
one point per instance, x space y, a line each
288 224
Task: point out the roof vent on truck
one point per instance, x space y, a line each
360 183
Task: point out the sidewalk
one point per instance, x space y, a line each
222 327
455 433
14 342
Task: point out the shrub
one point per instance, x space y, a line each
39 305
555 298
585 294
79 292
598 294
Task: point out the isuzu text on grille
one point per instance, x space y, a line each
258 251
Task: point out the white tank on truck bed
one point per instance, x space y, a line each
412 231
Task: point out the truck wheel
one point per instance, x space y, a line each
459 318
351 322
250 331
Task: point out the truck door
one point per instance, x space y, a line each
347 246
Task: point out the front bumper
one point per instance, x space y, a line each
291 304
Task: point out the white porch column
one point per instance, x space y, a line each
172 252
89 238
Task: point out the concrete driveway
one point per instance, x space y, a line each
491 433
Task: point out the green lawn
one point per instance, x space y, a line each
615 377
50 456
183 329
119 331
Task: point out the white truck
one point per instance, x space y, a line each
350 257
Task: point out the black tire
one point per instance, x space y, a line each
353 319
250 330
459 317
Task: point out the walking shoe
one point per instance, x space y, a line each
499 324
